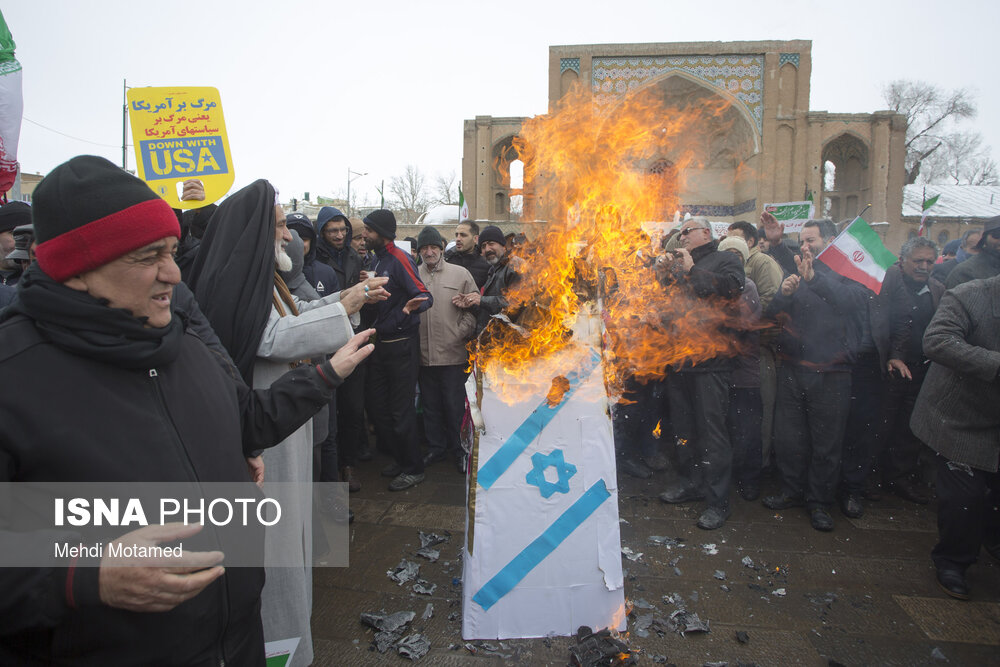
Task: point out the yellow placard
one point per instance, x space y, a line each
179 133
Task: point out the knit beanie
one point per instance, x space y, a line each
429 236
491 233
88 212
14 214
738 243
383 222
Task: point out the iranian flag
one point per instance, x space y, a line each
11 108
463 206
857 253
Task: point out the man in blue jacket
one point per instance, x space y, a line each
392 373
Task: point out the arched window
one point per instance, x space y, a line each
499 205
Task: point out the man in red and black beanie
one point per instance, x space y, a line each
119 393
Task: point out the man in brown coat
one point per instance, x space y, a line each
956 415
444 331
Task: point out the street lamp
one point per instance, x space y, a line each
357 175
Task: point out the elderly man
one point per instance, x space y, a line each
267 330
822 312
956 415
444 331
699 393
392 372
900 449
138 399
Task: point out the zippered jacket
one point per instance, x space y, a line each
71 418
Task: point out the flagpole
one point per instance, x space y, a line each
843 231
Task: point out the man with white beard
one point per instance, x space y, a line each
267 330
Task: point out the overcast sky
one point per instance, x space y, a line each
311 89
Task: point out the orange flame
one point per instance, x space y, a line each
597 178
656 431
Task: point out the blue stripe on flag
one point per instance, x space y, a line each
517 569
540 417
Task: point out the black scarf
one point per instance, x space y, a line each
233 274
83 325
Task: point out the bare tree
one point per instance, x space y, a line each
930 112
409 192
963 160
445 189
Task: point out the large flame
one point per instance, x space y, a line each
596 177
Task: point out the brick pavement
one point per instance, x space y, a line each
864 594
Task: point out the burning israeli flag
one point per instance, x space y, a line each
543 547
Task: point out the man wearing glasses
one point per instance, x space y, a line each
699 392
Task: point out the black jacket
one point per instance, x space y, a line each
494 300
822 321
913 305
891 316
984 265
715 275
97 422
346 262
473 262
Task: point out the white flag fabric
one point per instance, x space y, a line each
11 108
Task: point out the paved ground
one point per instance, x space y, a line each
864 594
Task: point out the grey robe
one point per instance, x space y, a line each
321 328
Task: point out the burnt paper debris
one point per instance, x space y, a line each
406 571
414 646
387 622
682 622
424 587
430 554
599 649
432 539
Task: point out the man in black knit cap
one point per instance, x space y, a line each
137 400
392 371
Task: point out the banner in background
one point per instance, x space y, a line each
179 133
793 214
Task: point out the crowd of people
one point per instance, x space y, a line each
832 387
238 343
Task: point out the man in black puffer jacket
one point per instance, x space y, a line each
120 391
